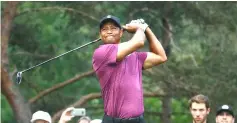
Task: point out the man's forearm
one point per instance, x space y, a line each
139 36
154 44
134 44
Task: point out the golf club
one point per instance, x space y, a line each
19 74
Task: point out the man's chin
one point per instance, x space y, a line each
110 42
198 121
223 122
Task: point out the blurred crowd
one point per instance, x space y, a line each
199 107
66 116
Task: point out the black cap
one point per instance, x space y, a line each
107 18
226 108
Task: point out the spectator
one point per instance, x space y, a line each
225 114
199 108
41 117
84 119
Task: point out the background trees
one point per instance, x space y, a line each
199 38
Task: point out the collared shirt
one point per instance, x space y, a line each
121 82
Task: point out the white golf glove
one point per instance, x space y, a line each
141 23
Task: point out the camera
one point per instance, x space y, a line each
78 112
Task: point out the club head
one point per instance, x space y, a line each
18 77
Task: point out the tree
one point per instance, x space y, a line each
20 108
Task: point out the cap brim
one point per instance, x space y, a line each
226 110
33 120
107 20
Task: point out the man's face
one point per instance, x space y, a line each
225 117
199 112
110 33
41 121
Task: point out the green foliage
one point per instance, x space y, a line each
6 111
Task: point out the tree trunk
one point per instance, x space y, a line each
20 108
167 37
167 34
166 110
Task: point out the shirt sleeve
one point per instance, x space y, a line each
141 57
104 55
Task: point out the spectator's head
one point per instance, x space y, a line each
96 121
84 119
199 108
41 117
225 114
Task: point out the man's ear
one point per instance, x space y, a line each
216 119
100 35
121 32
208 110
190 109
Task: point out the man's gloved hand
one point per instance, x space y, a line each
134 25
141 23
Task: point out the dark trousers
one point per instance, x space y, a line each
108 119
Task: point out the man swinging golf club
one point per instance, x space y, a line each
119 66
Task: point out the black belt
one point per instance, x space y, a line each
109 119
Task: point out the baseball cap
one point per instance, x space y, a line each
107 18
41 115
226 108
84 118
96 121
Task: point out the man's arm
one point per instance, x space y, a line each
157 54
132 45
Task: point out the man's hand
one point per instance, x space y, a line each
131 27
66 115
144 25
134 25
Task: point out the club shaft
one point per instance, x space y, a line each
60 55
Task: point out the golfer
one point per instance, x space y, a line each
118 66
